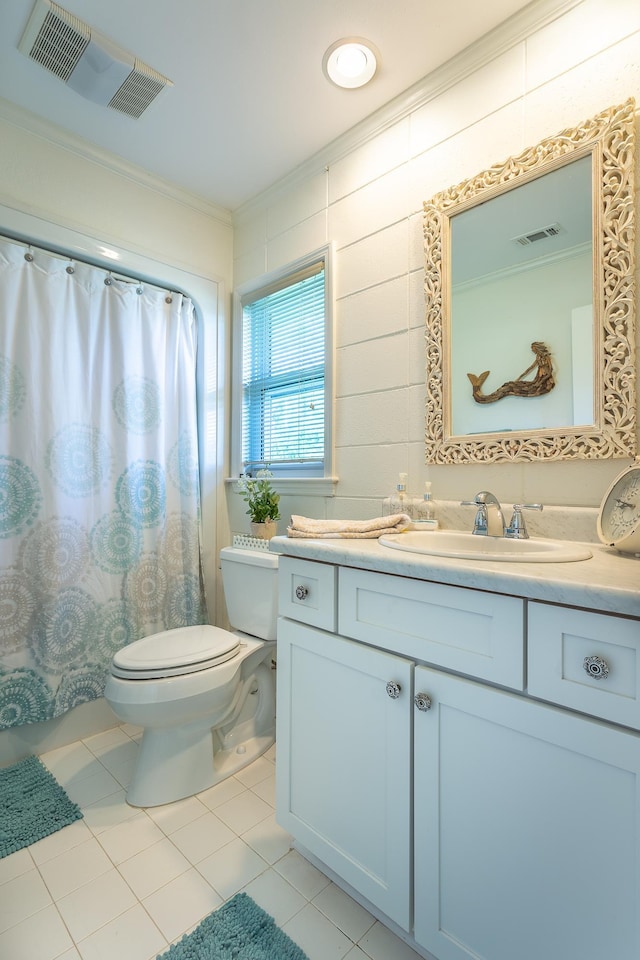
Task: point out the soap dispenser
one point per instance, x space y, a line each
398 502
425 510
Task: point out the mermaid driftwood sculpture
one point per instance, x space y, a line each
542 382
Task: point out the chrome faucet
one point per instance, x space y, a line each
489 521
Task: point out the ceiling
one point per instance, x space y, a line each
250 102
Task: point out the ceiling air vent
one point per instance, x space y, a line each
541 234
89 62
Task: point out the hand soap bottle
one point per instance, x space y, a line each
425 510
398 502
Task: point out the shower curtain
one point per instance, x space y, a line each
99 479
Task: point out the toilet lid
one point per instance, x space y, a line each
175 652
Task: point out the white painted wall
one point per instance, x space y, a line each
367 200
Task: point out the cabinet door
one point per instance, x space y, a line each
527 823
344 761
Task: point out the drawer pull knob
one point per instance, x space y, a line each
393 689
422 701
596 667
302 592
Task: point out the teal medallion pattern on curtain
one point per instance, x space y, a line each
99 478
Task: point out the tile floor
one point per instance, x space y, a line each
125 883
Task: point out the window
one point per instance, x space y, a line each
283 338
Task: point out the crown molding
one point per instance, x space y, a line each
39 127
512 31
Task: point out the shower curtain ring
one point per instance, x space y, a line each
70 268
29 255
108 280
139 289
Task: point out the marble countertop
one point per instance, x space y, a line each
608 582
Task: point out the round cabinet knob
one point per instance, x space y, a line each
596 667
302 592
422 701
393 689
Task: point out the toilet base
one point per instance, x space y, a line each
174 763
189 769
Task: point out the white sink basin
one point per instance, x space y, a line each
467 546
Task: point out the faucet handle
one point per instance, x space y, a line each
481 520
517 529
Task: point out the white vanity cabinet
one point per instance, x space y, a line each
485 819
527 823
344 761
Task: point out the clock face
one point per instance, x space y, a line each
619 519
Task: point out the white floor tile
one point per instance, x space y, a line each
232 867
126 839
101 743
21 898
266 790
171 816
182 904
92 788
380 943
356 954
109 811
221 792
74 868
42 936
123 771
15 864
131 936
153 868
132 730
317 936
301 874
202 837
243 812
72 762
259 770
344 912
71 954
276 896
114 756
61 841
87 909
268 839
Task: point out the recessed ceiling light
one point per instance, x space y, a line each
350 62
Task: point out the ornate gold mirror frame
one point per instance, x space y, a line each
609 138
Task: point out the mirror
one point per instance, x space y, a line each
529 303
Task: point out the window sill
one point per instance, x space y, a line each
299 486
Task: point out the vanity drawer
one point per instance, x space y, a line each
559 641
307 592
479 634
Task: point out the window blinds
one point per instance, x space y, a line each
283 407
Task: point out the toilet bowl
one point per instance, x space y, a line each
204 696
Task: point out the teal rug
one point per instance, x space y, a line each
32 805
239 930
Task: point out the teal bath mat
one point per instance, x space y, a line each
239 930
32 805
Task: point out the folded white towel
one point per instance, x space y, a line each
347 529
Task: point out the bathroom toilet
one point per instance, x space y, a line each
204 696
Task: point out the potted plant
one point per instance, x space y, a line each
263 504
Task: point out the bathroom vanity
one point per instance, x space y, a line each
458 744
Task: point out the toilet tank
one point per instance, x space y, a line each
250 579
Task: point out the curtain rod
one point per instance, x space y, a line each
64 254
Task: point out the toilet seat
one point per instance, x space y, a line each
175 653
